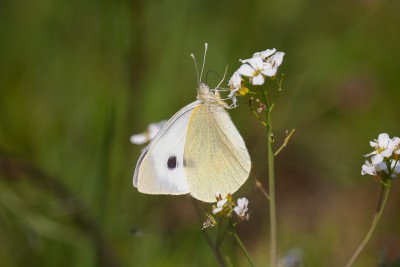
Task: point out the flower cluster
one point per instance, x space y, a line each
384 159
262 64
227 207
147 136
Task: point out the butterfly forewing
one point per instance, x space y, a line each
160 168
215 156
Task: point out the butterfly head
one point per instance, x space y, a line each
207 96
204 93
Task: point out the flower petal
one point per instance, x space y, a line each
383 140
387 152
258 80
243 202
246 70
221 203
245 60
366 169
139 139
277 59
396 140
373 143
370 154
395 165
376 159
268 70
256 63
154 128
236 80
217 210
267 53
381 167
234 100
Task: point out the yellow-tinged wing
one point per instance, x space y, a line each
215 156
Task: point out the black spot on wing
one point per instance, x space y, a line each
172 163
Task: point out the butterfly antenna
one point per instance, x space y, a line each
197 69
204 60
223 78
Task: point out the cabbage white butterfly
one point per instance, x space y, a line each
198 151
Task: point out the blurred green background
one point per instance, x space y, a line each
77 78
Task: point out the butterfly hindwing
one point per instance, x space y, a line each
160 168
215 155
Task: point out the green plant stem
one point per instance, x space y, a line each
235 235
228 260
272 205
271 179
377 217
221 233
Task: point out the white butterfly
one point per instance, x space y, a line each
198 151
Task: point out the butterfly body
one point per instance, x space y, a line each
198 151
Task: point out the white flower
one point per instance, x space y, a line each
235 81
368 168
385 157
220 206
396 145
241 208
262 64
147 136
255 70
272 64
234 85
276 60
383 148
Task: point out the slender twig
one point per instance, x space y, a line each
279 92
229 262
377 217
259 118
241 245
261 188
214 248
285 142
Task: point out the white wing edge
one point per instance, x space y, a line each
182 111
